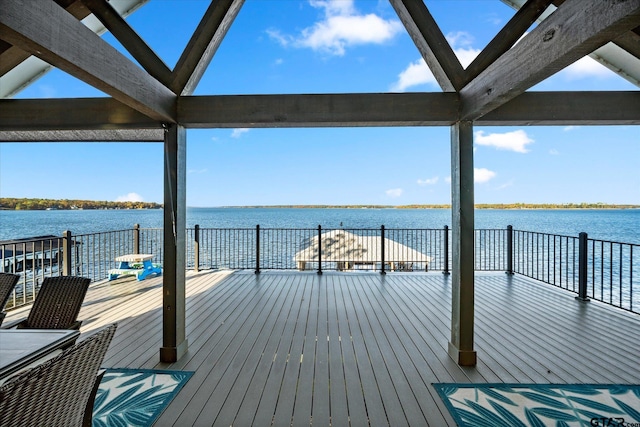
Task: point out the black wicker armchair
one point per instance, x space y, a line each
60 391
57 304
7 283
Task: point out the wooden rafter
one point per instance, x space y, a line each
431 43
46 30
507 37
630 41
11 56
131 41
203 44
574 30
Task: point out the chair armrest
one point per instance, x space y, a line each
75 325
15 324
87 421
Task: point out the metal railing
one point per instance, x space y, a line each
593 269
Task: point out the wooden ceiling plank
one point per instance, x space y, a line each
431 43
70 114
203 44
131 41
507 37
575 29
46 30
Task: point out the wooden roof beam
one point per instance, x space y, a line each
575 29
131 41
507 37
70 114
11 56
203 44
46 30
318 110
431 43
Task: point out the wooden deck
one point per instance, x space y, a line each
284 348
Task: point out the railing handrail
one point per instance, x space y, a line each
593 268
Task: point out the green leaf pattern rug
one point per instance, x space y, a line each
135 397
523 405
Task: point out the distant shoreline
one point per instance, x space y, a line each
512 206
51 204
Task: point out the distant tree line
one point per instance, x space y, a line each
8 203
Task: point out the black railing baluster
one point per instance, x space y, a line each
582 267
258 249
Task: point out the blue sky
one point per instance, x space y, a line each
317 46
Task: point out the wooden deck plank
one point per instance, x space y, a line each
213 393
320 409
369 382
381 342
338 403
283 413
237 379
258 389
269 396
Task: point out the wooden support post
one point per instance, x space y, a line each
174 341
461 347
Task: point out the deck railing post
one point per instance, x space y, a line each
136 238
196 247
582 267
382 250
67 244
510 249
446 250
258 249
319 249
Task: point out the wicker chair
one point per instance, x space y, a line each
7 283
57 304
60 391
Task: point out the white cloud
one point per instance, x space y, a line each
428 181
448 180
513 141
482 175
570 128
131 197
554 152
237 133
394 192
418 73
341 27
586 67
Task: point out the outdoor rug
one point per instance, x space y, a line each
135 397
558 405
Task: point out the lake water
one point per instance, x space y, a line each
614 225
